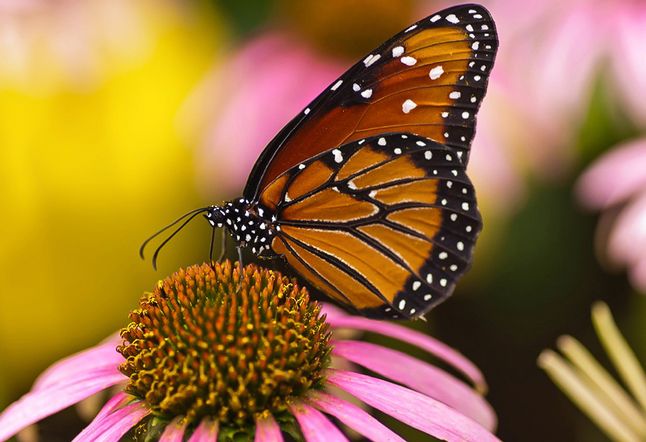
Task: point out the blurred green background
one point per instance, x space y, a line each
118 116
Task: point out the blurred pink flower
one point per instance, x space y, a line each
251 96
428 398
618 179
551 55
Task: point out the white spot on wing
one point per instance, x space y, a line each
336 85
398 51
435 18
371 59
338 156
408 106
381 141
409 61
411 28
367 93
451 18
436 72
454 95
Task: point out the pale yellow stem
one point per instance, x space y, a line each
620 353
581 393
605 387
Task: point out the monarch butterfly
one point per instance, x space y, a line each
365 193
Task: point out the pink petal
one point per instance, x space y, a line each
419 376
628 61
354 417
112 427
103 355
207 431
267 430
174 431
615 176
113 404
412 408
433 346
50 399
315 426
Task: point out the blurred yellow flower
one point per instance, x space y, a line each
90 162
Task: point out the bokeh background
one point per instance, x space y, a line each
116 116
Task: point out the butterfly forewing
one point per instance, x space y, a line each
385 224
428 80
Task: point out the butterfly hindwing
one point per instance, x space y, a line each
384 224
428 80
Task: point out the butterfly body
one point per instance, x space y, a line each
365 192
249 224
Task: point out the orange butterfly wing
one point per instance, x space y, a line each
428 80
385 225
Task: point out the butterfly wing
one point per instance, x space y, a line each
385 224
429 80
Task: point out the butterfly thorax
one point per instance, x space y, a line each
248 223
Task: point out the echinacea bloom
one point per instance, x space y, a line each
618 179
620 414
215 351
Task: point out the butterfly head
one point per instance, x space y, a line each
215 215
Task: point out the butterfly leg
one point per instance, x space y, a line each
211 245
239 264
223 246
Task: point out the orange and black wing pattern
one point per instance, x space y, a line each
385 224
427 80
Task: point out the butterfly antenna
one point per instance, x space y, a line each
145 243
156 254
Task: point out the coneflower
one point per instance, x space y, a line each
215 353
